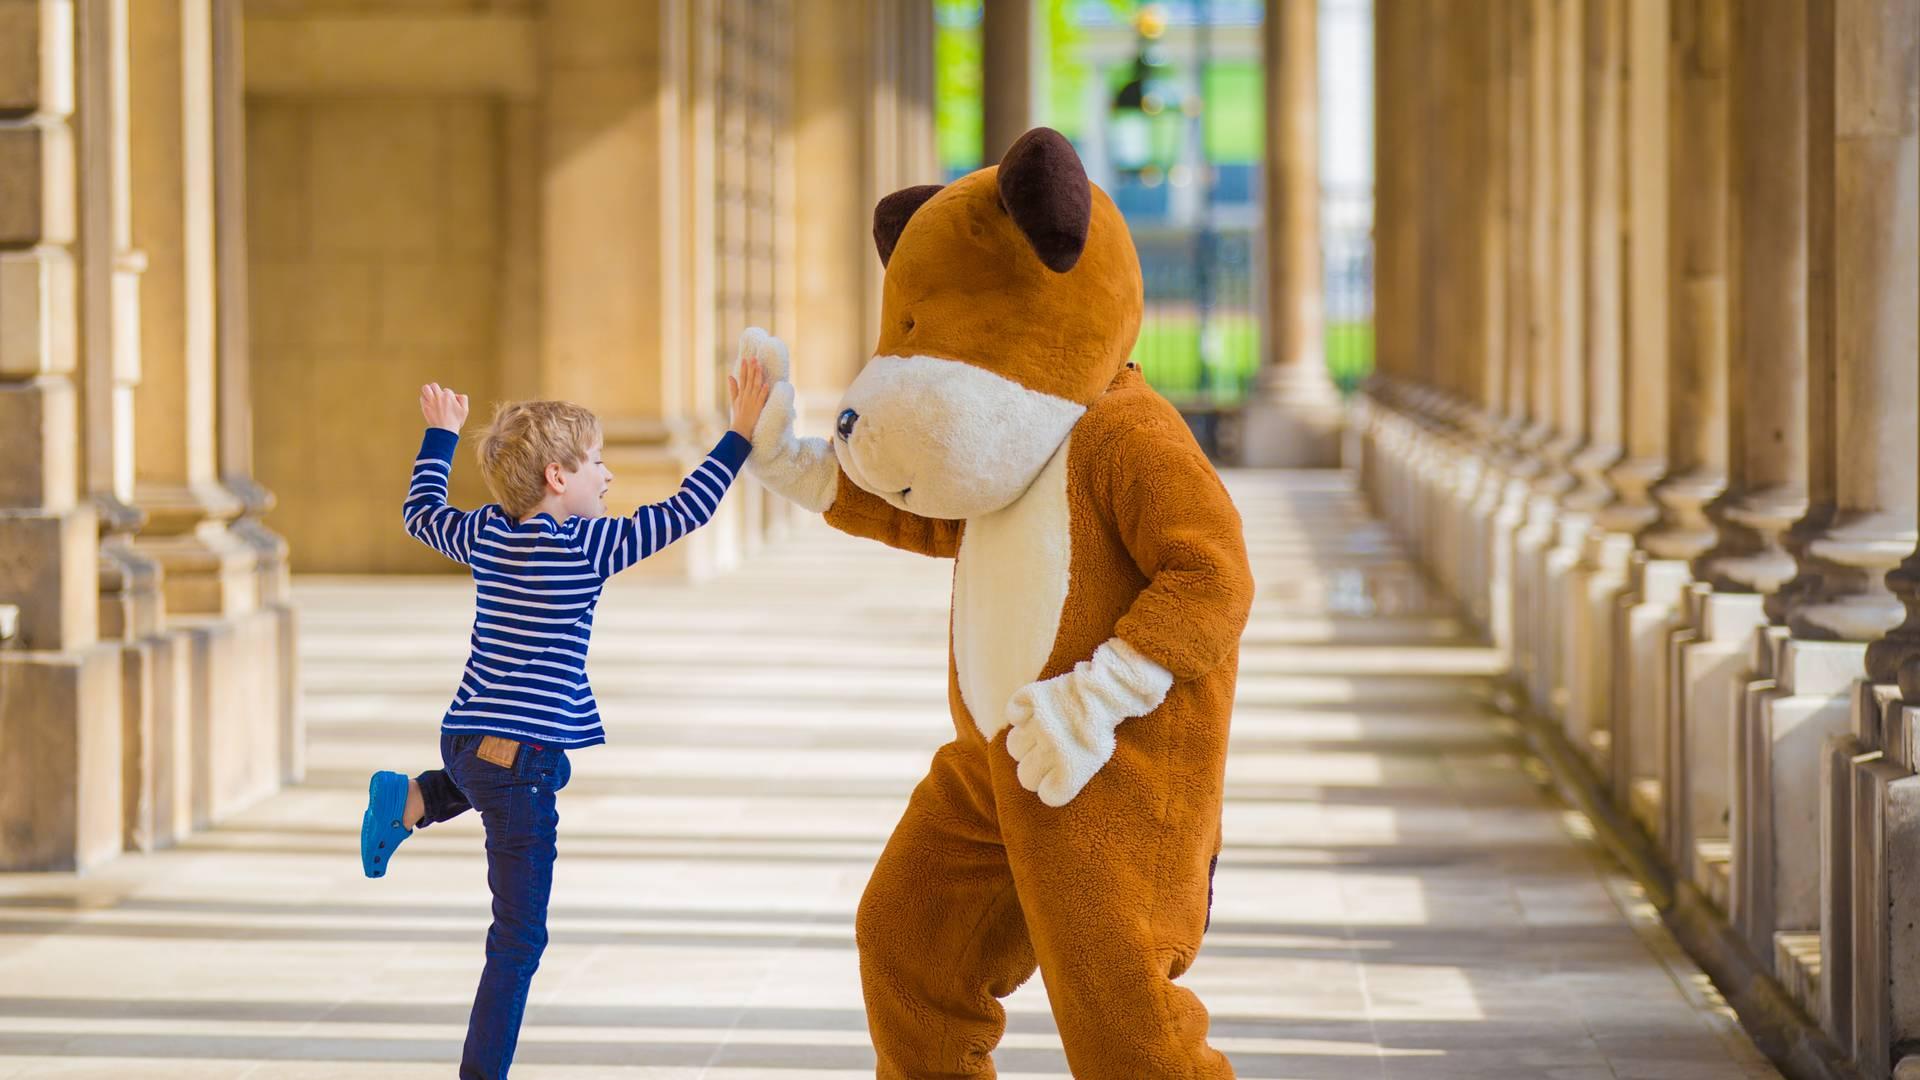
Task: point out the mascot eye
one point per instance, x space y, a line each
848 418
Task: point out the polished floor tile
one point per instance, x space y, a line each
1398 897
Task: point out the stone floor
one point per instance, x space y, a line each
1399 897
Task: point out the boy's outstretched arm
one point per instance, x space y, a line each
613 544
428 517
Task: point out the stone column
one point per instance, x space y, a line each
1570 176
862 131
1491 58
1441 328
1541 305
1876 312
231 342
1488 59
1006 74
1632 740
1396 223
1456 171
1702 31
1597 332
614 242
1774 768
1864 268
1878 143
60 715
1662 189
1767 358
1862 274
1603 553
1643 297
1718 655
176 476
1697 386
1293 419
132 609
1568 518
1518 465
1548 480
832 99
234 406
1398 63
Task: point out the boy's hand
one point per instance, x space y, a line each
749 392
803 470
442 407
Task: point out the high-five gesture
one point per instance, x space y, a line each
749 390
442 407
800 469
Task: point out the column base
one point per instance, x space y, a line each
1710 666
1886 912
60 782
1293 421
1788 719
1839 755
1644 617
209 570
1593 591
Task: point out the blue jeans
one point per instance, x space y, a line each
517 807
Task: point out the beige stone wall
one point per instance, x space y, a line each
583 202
375 267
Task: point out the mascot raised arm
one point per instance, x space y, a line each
1100 589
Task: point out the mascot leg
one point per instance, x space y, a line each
940 930
1115 889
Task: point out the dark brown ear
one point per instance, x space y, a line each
1044 188
891 215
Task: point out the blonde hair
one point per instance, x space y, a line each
525 437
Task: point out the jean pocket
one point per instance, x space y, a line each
550 769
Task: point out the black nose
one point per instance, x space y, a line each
848 418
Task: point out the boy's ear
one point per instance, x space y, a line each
554 476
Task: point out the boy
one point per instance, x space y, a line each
540 558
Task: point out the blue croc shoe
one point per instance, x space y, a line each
380 830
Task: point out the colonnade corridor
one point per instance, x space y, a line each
1400 895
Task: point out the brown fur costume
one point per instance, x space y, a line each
1027 271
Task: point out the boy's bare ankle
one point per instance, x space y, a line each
416 806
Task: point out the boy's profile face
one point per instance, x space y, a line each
582 489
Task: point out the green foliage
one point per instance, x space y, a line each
1236 111
1234 102
1065 77
1169 354
1349 353
957 119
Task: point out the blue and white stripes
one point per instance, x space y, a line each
537 584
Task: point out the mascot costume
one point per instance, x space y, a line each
1100 588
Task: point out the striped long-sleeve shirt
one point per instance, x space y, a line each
537 583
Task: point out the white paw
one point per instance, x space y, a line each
1062 729
769 350
802 470
1057 744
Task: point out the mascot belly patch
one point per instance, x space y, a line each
1009 588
